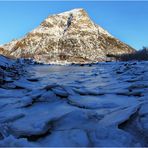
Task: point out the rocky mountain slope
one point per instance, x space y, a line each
66 37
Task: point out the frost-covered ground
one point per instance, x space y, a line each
105 104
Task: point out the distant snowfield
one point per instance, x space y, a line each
104 104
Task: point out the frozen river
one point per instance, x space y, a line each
104 104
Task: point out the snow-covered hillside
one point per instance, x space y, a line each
68 37
103 104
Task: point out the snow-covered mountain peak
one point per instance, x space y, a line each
74 11
70 36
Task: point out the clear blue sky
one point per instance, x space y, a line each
128 21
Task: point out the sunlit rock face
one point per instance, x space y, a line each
69 37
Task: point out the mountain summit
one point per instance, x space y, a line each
69 37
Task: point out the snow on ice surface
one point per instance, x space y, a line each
5 62
73 105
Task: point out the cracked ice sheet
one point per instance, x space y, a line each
25 84
110 109
67 138
117 117
61 74
111 137
143 118
80 128
103 101
11 141
38 117
15 114
5 61
13 93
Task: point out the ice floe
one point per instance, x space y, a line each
102 105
